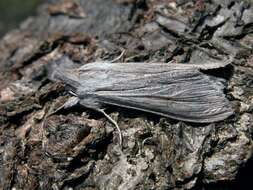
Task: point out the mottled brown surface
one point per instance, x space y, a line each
77 147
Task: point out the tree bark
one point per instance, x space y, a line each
78 148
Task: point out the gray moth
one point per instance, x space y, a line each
178 91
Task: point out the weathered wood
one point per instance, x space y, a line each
78 148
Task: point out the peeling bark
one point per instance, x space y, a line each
77 147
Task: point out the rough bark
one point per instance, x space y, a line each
78 148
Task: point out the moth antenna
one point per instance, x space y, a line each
114 123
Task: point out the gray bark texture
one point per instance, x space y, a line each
45 147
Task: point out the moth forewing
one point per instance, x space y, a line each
172 90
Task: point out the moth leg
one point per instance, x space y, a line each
119 57
93 104
72 101
72 93
114 123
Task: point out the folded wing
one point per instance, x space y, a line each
174 91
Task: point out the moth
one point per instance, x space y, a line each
179 91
